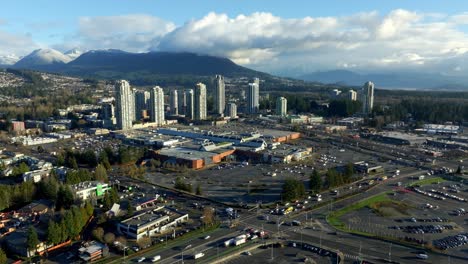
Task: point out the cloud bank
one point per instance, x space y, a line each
398 40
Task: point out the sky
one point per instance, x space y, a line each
290 37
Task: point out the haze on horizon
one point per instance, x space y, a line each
269 36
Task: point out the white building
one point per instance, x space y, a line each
157 105
352 95
190 104
125 107
142 102
367 98
182 102
231 110
88 189
281 106
174 102
219 95
335 93
200 102
150 223
253 97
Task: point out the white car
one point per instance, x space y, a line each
207 237
141 259
156 258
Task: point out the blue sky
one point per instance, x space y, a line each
353 29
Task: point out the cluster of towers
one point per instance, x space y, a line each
132 105
366 96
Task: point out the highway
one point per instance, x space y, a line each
352 246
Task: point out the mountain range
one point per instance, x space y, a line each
397 80
121 64
116 64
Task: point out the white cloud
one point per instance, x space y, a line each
400 39
134 32
11 44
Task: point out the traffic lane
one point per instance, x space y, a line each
198 244
370 249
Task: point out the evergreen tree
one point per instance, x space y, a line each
53 233
101 173
33 239
315 182
65 197
3 256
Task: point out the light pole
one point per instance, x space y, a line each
320 239
390 253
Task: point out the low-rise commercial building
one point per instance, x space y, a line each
396 138
93 251
151 222
88 189
286 154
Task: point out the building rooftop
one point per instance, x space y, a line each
86 185
186 153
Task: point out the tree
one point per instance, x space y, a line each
53 233
89 157
22 168
65 197
71 162
122 240
98 234
198 191
292 189
101 173
3 256
63 231
33 239
109 238
48 188
104 160
144 242
315 182
72 229
89 208
208 215
349 172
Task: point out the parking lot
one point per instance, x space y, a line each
424 219
290 253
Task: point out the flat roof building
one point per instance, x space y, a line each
151 222
88 189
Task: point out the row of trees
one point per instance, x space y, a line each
81 175
294 189
433 110
69 225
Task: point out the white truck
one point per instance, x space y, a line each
239 241
229 242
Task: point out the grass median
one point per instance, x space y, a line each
334 217
427 181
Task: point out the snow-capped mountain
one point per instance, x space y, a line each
41 57
8 59
74 53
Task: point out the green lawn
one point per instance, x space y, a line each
334 217
427 181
